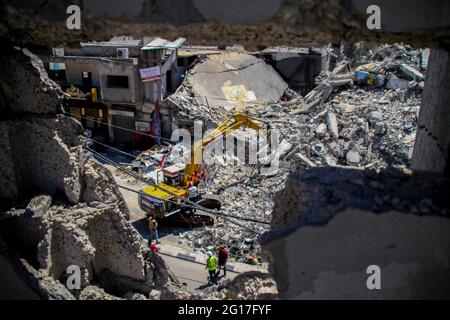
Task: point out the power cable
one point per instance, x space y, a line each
192 207
193 204
73 115
115 149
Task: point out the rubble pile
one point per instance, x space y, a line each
251 285
226 83
190 108
243 194
344 121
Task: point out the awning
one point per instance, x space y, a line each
159 44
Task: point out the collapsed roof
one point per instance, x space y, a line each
233 81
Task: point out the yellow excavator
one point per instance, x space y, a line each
180 181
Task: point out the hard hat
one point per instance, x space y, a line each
209 253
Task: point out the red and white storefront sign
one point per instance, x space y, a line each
150 74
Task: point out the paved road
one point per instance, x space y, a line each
192 274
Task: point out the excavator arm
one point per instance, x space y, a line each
223 129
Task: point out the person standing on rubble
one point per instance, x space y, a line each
211 265
223 256
153 226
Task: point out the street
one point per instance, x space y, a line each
193 274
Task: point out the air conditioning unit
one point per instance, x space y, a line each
122 53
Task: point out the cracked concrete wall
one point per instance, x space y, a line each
94 239
80 217
100 186
8 182
330 224
25 86
286 22
42 161
432 146
41 153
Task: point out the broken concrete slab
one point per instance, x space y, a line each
353 157
22 69
87 225
411 72
332 124
39 205
395 83
228 82
352 219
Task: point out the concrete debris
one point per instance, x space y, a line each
251 285
396 67
303 158
411 72
321 130
95 293
333 125
154 294
39 205
336 124
225 83
395 83
353 157
411 210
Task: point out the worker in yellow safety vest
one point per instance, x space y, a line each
211 265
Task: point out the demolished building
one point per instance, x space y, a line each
117 83
222 84
342 122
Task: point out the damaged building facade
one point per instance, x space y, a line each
117 84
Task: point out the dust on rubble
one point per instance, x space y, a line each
362 114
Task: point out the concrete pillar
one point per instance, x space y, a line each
433 135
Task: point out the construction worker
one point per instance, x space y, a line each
211 265
153 226
223 256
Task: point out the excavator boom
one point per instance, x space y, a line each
223 129
162 199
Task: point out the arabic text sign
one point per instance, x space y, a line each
149 74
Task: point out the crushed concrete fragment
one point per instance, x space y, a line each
39 205
251 285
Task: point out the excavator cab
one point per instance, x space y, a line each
173 175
